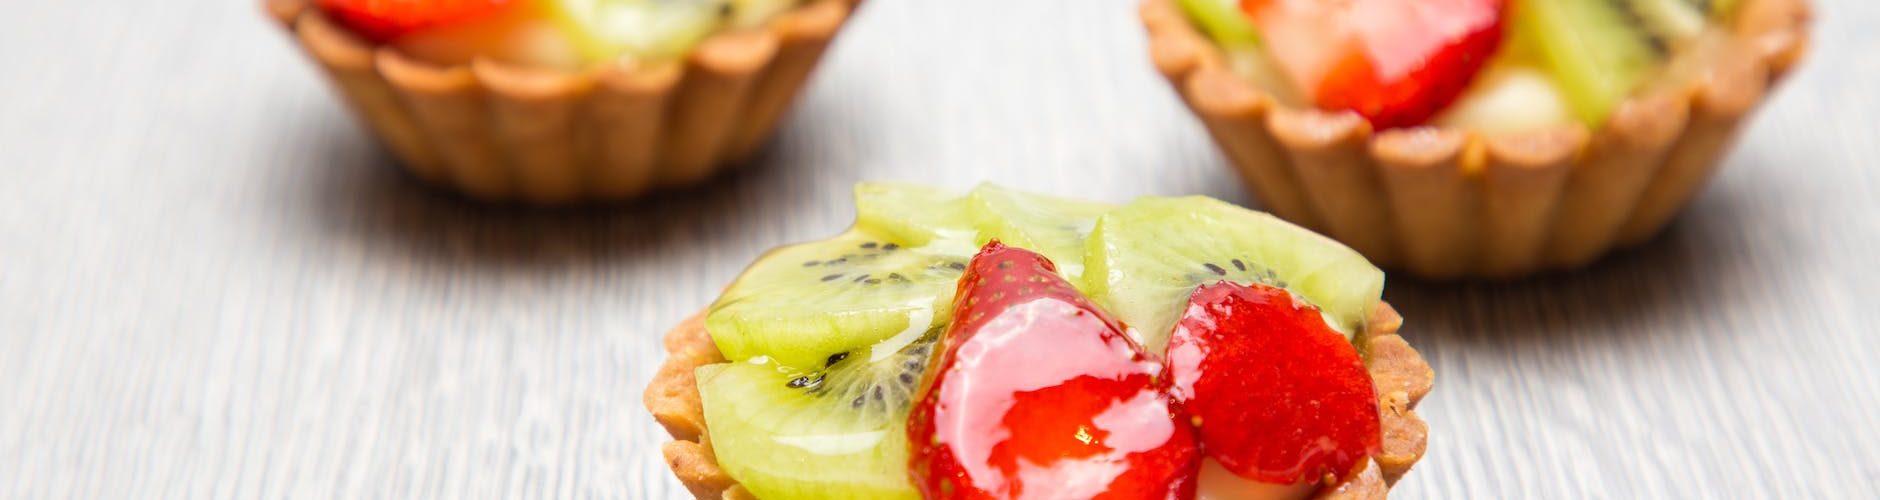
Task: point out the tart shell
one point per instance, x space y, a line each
502 132
1398 371
1442 202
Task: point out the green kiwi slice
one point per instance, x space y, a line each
802 303
1670 22
837 432
1146 258
912 215
1223 21
1591 47
653 29
1055 227
636 28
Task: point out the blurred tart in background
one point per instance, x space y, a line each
565 101
1476 138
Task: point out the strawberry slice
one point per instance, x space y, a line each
1041 395
386 20
1394 62
1279 396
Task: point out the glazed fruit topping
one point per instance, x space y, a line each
1395 62
386 20
1039 394
1279 397
890 361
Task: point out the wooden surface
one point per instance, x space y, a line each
213 286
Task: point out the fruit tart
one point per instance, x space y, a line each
561 101
1001 344
1475 138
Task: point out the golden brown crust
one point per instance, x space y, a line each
503 132
692 462
1447 203
673 397
1398 371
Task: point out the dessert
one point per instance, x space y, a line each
1476 138
1144 350
564 101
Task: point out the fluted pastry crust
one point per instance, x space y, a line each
503 132
1398 371
1441 202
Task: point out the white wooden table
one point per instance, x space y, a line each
213 286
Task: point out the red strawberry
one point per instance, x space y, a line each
1279 396
385 20
1041 395
1395 62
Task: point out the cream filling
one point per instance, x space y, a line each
1508 100
1217 483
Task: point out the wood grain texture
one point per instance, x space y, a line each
213 286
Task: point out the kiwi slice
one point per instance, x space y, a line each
911 214
1055 227
1670 22
837 432
1146 258
653 29
1591 48
802 303
1223 21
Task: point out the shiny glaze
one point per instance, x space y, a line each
1041 395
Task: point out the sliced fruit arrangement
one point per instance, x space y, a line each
888 363
888 279
1401 63
547 32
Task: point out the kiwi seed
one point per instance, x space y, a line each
805 381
